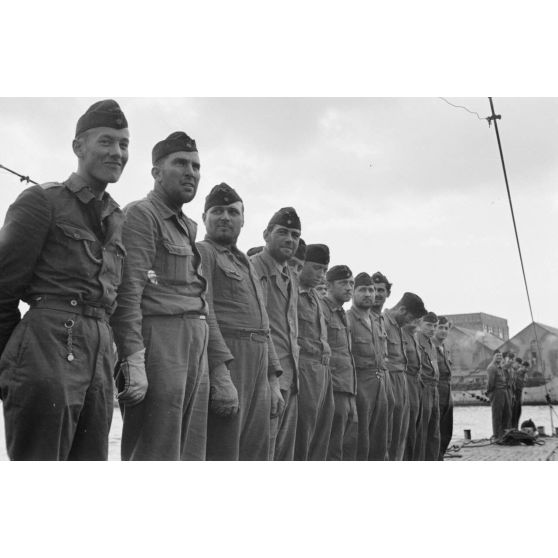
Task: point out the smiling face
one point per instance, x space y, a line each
281 242
380 296
177 176
224 222
102 155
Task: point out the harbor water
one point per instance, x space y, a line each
477 419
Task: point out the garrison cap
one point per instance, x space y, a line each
102 114
442 320
301 250
177 141
519 360
363 279
430 317
338 272
379 277
414 304
222 194
317 253
286 217
254 250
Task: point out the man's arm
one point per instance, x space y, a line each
491 370
223 393
22 238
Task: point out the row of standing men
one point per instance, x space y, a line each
220 356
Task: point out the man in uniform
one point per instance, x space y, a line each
61 252
280 294
315 397
344 431
382 291
428 436
498 393
444 385
517 395
234 294
296 263
408 309
367 348
160 324
414 387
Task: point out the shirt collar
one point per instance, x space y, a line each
333 306
273 266
79 186
158 200
391 318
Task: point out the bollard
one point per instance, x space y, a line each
467 434
556 431
541 430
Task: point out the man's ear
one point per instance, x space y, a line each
77 147
155 172
266 235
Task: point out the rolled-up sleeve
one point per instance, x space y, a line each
22 239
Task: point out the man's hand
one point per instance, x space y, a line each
131 380
223 397
277 401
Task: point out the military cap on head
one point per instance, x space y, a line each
254 250
177 141
519 360
443 320
286 217
338 272
363 279
317 253
222 194
430 317
526 363
379 277
301 250
414 304
102 114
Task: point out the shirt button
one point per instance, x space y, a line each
73 302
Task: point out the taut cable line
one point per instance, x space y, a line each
22 178
494 118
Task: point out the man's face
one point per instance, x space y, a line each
296 266
223 223
428 328
313 276
442 331
363 297
381 295
178 176
341 290
102 154
321 289
403 317
498 358
281 242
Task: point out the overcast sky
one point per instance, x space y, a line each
409 186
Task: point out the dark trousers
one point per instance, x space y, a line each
316 407
344 430
391 405
372 408
246 436
412 447
517 402
501 411
55 408
170 424
428 434
401 411
446 417
283 428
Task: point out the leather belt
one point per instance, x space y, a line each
256 335
50 302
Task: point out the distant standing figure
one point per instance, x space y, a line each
444 385
497 392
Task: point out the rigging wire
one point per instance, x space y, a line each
494 118
22 178
465 108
